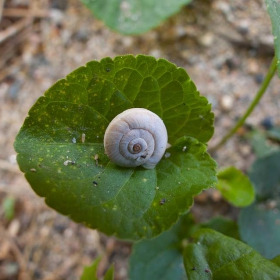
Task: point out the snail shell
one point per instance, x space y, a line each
136 137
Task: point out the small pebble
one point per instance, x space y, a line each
83 138
267 123
259 78
227 102
207 39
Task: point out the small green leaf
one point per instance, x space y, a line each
109 275
216 256
60 146
161 258
9 208
89 272
235 187
133 16
223 225
273 9
265 176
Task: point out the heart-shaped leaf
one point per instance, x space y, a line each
133 16
61 149
273 9
216 256
235 187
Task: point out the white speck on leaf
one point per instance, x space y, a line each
74 140
167 155
67 162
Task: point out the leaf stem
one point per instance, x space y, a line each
260 93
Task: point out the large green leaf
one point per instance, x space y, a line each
235 187
259 226
77 178
273 9
216 256
161 258
133 16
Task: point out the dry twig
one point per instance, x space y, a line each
16 12
14 29
18 255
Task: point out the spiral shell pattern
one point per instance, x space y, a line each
136 137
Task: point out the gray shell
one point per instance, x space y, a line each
134 129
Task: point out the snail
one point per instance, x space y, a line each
136 137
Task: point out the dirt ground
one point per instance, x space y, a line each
225 46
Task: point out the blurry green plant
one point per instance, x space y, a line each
131 17
262 218
90 272
9 208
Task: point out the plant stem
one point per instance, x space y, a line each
260 93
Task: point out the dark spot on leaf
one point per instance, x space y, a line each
194 268
162 201
95 183
207 270
108 70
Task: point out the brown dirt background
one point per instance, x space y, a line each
225 46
